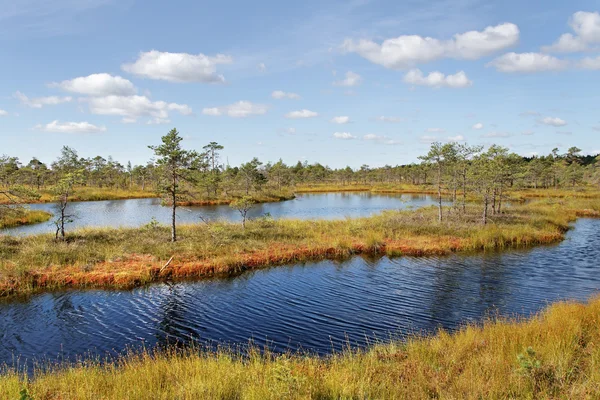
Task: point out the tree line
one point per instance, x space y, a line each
179 174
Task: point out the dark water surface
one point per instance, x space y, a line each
314 306
133 213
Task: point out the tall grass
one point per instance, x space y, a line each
554 354
23 217
130 257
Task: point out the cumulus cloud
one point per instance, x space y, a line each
344 136
133 107
301 114
382 139
40 102
457 138
586 26
567 43
98 85
527 133
527 63
383 118
340 120
552 121
70 127
436 130
351 79
478 126
529 114
437 79
427 139
278 94
158 121
3 113
590 63
567 133
407 51
496 135
241 109
178 67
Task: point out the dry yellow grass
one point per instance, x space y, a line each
130 257
24 217
553 355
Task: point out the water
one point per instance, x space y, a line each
316 307
133 213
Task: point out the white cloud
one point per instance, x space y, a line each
436 130
70 127
133 107
596 128
381 139
407 51
457 138
340 120
437 79
567 43
301 114
278 94
158 121
3 113
352 79
478 126
427 139
178 67
496 135
586 26
389 119
527 133
344 136
552 121
40 102
528 62
567 133
590 63
262 67
529 114
98 85
241 109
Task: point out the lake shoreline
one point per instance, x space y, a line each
126 258
550 354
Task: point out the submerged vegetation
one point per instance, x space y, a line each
551 355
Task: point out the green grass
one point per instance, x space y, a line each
19 217
553 355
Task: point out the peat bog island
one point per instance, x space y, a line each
362 200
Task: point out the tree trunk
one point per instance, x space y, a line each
173 216
485 209
439 182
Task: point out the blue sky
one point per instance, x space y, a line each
341 83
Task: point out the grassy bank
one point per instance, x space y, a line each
93 194
552 355
515 195
23 217
262 197
130 257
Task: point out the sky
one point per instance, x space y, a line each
337 82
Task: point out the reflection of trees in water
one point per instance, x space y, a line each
478 285
448 292
170 331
